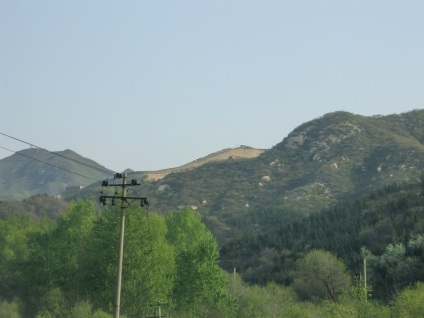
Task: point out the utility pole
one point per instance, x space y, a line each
365 253
365 278
124 204
158 313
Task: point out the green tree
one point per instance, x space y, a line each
15 231
33 275
409 303
199 282
148 263
354 304
52 304
54 259
70 239
9 310
272 300
319 274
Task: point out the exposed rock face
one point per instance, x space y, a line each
266 178
293 142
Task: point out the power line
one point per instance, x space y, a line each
21 154
105 171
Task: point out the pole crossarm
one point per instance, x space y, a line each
123 198
143 200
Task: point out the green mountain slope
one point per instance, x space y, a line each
392 215
336 157
339 156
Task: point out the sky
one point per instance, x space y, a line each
149 85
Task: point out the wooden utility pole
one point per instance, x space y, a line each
121 248
365 278
124 204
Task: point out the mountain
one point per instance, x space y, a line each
337 157
339 182
36 171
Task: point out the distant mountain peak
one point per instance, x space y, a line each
37 171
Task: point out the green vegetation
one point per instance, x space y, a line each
388 223
336 158
67 268
295 225
319 274
38 206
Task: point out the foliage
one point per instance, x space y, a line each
319 274
328 160
37 206
398 266
67 268
9 310
394 214
409 303
199 284
271 300
148 261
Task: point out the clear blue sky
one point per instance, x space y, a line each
155 84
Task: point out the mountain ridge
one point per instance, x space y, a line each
336 157
35 161
37 171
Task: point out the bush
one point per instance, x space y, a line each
409 303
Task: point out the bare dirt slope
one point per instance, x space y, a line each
241 152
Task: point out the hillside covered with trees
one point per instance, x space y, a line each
386 227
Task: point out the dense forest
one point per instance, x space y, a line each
386 227
66 266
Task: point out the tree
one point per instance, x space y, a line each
409 303
396 268
199 282
9 310
70 242
319 274
53 265
14 233
148 263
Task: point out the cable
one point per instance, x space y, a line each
105 171
21 154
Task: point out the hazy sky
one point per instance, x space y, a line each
156 84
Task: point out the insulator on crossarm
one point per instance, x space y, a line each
102 200
144 202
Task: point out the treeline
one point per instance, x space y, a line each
38 206
387 219
62 268
66 268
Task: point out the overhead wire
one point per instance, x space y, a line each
64 169
105 171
